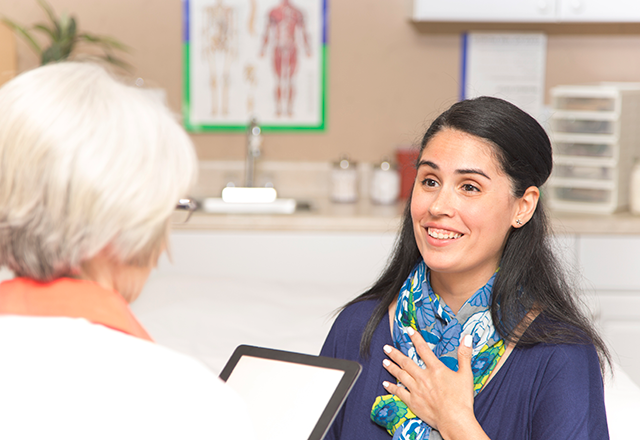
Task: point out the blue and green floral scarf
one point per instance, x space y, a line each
423 310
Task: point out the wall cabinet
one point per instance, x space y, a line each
484 10
535 11
598 10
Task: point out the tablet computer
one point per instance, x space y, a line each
290 396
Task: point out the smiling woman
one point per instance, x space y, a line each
462 210
485 335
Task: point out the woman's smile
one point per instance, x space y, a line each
443 234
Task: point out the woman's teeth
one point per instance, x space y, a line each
443 234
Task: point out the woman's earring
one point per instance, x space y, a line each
518 222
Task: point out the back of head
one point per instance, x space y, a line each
86 162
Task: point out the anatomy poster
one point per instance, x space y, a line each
262 59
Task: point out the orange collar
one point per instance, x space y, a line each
70 298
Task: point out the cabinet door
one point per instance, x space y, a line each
599 10
620 325
610 262
484 10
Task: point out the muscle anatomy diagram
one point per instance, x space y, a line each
285 28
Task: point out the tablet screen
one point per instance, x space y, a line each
292 399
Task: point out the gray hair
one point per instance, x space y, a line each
86 163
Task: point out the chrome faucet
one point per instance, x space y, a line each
254 140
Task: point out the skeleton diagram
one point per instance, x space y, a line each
250 75
219 37
283 22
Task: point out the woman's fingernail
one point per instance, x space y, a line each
385 384
387 349
468 341
386 362
410 331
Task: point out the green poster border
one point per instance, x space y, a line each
209 128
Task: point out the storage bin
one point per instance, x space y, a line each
595 133
585 196
583 172
585 149
584 125
588 195
581 103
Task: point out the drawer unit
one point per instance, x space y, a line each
585 103
595 137
587 123
574 147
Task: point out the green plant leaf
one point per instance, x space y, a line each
106 42
115 44
117 62
64 36
24 33
72 28
51 14
66 48
51 54
47 30
64 25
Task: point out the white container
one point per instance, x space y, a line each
344 182
385 184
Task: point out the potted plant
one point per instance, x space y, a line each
65 40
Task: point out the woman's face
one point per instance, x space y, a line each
462 205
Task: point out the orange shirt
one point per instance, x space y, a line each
71 298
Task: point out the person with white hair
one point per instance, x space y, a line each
91 171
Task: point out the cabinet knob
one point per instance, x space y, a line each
576 4
543 5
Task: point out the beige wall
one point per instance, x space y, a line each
387 76
8 56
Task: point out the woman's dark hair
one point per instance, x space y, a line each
530 278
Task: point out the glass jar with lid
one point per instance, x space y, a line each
344 181
385 183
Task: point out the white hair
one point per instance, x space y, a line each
86 163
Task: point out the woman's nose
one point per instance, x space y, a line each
442 203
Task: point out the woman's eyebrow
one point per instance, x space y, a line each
429 164
473 171
462 171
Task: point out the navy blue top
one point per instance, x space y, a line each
540 392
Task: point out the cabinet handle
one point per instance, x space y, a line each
542 5
576 4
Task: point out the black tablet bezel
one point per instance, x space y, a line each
351 371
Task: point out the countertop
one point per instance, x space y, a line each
366 217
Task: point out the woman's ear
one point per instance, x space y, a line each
526 206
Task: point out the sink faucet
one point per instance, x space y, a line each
254 140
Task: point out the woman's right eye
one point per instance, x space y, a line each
429 182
